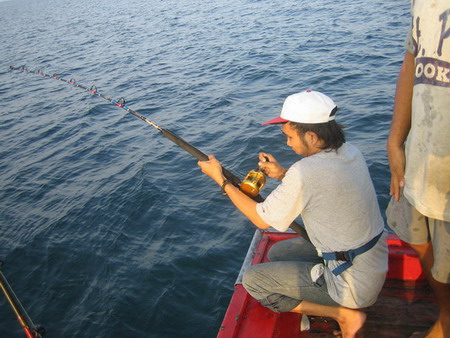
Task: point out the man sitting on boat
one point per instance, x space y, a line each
343 267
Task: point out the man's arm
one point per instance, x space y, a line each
245 204
271 167
401 123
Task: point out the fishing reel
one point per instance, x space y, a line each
254 182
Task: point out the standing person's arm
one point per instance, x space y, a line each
401 123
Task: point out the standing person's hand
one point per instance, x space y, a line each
397 162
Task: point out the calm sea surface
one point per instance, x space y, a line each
107 229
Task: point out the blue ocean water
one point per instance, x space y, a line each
108 229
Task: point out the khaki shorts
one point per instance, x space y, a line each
414 228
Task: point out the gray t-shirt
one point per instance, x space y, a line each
333 193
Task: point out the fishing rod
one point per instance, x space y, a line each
31 330
165 132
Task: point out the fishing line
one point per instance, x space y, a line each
165 132
121 103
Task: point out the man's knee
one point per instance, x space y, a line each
251 279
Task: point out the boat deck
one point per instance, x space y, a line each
405 304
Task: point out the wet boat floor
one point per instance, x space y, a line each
402 308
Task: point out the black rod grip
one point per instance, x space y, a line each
197 154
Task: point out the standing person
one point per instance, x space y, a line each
331 189
419 150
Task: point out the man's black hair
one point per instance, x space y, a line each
330 133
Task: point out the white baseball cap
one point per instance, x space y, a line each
306 107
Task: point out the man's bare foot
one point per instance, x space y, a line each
350 322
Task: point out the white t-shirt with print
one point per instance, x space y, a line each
427 174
